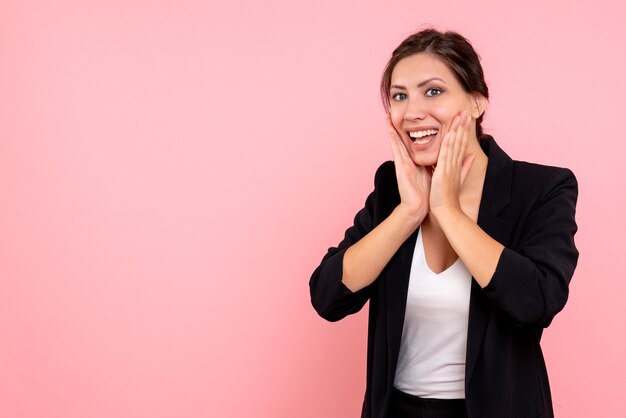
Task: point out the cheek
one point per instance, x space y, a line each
445 113
396 119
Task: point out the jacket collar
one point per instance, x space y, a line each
497 188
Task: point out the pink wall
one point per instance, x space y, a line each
171 172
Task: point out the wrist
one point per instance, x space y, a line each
446 212
410 216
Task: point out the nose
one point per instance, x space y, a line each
415 110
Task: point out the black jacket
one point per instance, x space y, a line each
529 209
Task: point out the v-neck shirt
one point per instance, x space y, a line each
434 337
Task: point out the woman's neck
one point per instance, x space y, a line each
476 177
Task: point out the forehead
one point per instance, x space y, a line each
418 67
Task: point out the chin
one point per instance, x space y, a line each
425 159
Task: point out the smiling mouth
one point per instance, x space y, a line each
422 137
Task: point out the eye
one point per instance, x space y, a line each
433 92
398 97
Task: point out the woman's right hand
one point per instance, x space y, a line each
413 180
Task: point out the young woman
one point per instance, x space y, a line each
464 254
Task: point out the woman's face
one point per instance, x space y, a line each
425 96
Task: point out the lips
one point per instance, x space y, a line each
423 135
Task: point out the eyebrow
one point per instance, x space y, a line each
396 86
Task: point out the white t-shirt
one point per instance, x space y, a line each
434 337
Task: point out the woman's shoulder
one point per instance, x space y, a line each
544 184
385 196
541 172
385 175
385 168
526 184
525 173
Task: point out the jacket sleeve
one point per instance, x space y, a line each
531 281
329 296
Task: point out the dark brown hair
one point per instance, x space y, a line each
451 48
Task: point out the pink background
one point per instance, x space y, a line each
171 172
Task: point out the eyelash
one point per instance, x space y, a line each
396 98
438 90
431 92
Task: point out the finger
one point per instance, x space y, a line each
403 151
391 135
467 165
464 137
395 148
440 166
453 148
390 128
399 150
389 123
394 134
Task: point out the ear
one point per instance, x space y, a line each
480 103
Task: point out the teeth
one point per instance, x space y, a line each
421 134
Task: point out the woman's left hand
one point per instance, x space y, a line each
452 165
